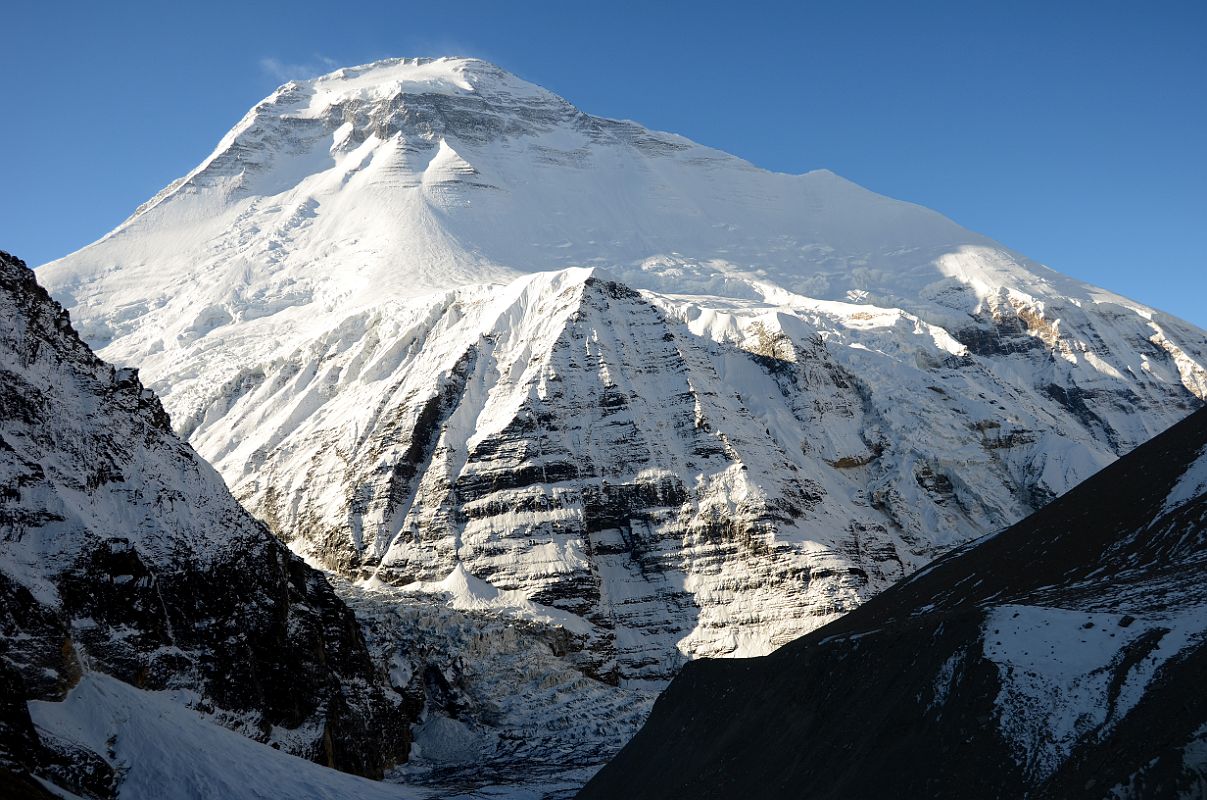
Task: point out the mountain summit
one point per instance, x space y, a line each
438 328
409 176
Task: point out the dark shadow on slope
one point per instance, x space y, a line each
897 699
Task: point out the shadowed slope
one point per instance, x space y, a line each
122 552
1062 657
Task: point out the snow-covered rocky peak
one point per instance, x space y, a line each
409 176
386 80
455 339
425 315
419 97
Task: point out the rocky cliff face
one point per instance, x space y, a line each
1063 657
121 552
687 481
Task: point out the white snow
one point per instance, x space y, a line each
1192 485
1057 668
166 751
310 211
468 593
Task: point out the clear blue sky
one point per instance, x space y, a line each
1075 132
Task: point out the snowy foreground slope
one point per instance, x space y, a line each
1061 658
123 557
167 751
422 314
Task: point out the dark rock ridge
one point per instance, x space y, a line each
1063 657
122 552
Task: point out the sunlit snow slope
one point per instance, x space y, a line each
424 316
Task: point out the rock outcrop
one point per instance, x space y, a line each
122 552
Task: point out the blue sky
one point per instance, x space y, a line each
1074 132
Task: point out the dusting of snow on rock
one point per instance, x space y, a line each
1192 485
122 552
1069 675
510 704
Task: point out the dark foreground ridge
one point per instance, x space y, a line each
1063 657
122 552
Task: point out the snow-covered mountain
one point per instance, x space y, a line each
123 556
1061 658
432 323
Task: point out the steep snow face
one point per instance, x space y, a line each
683 476
424 316
404 177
